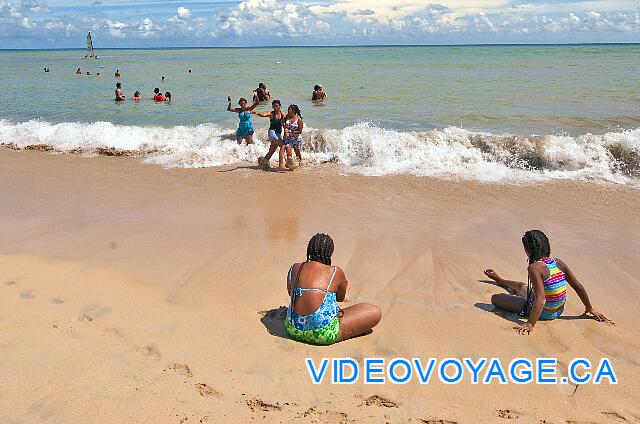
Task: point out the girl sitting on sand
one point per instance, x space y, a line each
315 288
546 289
275 135
293 126
245 127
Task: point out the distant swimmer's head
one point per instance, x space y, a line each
294 110
136 94
316 87
167 95
118 85
536 245
189 70
320 249
261 85
276 104
156 90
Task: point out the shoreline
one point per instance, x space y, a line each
139 292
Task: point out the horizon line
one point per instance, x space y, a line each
323 46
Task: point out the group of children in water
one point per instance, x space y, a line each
157 95
285 131
315 287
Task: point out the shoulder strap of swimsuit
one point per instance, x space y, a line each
331 280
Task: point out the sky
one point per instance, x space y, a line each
169 23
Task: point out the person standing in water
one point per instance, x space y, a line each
245 127
117 73
318 93
275 135
292 139
544 297
119 96
261 94
157 95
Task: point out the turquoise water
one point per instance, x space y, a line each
489 113
515 89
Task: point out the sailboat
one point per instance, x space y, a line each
90 53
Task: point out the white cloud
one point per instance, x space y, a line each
184 13
337 22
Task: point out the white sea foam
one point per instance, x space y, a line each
362 148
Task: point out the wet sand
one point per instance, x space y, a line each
133 293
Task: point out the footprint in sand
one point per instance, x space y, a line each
260 405
507 414
113 332
151 351
27 295
56 301
181 369
206 390
325 416
614 416
92 311
9 283
376 400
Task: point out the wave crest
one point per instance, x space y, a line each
367 149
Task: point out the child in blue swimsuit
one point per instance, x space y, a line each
245 127
315 288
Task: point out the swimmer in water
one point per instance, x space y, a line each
157 95
119 96
136 96
318 93
167 97
78 71
117 73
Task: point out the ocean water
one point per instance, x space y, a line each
490 113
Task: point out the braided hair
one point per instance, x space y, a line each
320 249
296 109
537 244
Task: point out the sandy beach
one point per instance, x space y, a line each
130 293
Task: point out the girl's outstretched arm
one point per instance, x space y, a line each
582 293
263 114
253 106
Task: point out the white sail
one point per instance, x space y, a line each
90 53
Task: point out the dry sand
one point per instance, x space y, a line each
135 294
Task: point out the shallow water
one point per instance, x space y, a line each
444 111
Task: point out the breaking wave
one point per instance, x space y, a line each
362 148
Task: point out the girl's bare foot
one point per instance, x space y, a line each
290 164
492 274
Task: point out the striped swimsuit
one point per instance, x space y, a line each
555 291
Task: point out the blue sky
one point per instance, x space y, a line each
157 23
